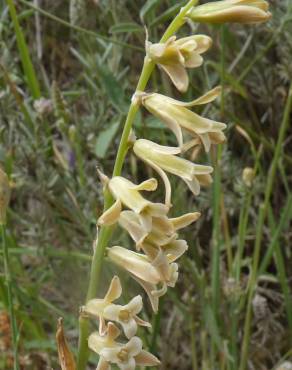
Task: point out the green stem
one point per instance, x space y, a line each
251 290
106 232
278 151
10 296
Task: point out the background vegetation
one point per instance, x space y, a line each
67 73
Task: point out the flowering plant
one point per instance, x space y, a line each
154 263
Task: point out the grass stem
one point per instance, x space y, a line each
13 323
27 65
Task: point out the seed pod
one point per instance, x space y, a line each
4 196
66 358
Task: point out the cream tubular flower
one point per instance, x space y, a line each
174 56
126 315
162 158
96 307
145 272
176 115
125 355
128 194
233 11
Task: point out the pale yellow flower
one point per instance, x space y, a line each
125 355
234 11
145 272
126 315
96 307
176 115
175 55
163 230
128 194
162 158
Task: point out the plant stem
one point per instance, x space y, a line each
251 290
13 324
278 150
106 232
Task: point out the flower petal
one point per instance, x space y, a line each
97 343
112 331
165 180
102 328
178 76
129 365
135 305
184 220
147 185
94 307
130 328
175 249
130 222
141 322
111 215
206 142
114 291
148 287
134 346
112 311
193 185
145 358
137 264
103 364
110 354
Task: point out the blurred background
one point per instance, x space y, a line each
67 75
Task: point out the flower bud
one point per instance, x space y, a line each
248 175
231 11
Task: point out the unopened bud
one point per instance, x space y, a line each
72 133
4 196
231 11
248 175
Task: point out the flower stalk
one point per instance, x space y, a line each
106 231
